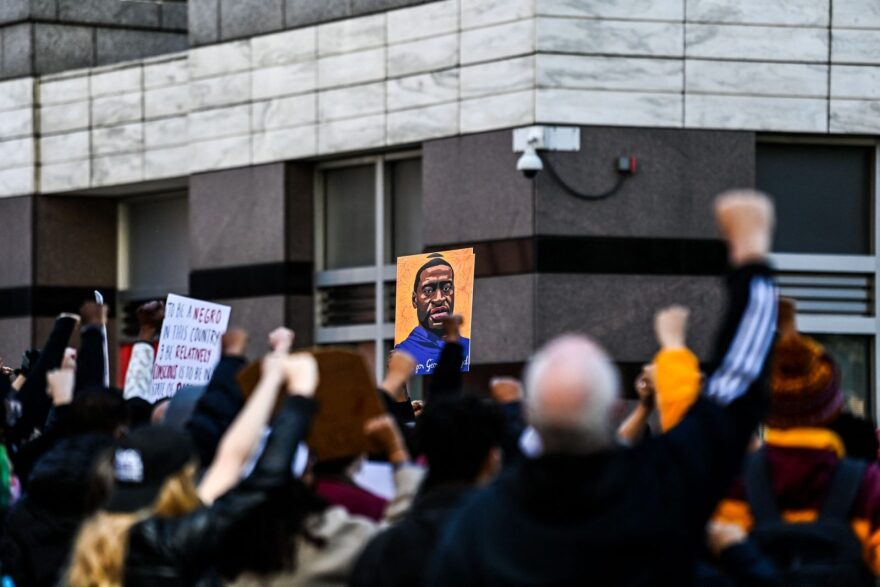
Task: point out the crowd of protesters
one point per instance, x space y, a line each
754 474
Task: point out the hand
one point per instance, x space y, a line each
401 366
670 326
281 339
59 386
29 358
93 314
645 386
745 218
150 316
506 390
418 407
383 430
301 371
234 342
722 535
75 317
452 328
69 359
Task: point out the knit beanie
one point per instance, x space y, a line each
804 384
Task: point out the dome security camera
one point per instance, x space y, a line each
529 163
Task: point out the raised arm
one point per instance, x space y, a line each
59 388
35 404
222 400
677 380
90 358
707 447
197 536
401 366
243 435
446 379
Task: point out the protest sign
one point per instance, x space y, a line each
347 399
431 287
189 346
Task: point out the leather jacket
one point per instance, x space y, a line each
182 550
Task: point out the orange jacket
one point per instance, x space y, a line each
677 384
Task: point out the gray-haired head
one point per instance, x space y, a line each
571 388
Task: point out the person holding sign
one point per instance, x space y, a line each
433 299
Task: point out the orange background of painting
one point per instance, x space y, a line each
462 261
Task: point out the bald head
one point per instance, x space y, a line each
571 387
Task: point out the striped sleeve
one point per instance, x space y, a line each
744 359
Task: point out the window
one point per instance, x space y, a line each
825 248
154 246
370 212
153 253
350 210
823 196
406 208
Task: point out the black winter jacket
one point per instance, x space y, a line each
40 529
416 535
180 551
627 516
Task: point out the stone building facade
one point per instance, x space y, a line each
282 158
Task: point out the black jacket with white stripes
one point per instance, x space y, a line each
628 516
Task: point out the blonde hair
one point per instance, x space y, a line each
98 558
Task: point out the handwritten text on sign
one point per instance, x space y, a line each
189 346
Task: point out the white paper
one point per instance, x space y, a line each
189 346
377 478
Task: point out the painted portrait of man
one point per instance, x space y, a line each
432 299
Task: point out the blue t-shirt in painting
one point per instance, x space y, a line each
425 347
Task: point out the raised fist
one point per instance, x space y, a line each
452 328
745 218
70 315
281 339
670 326
301 372
93 314
234 342
506 390
59 386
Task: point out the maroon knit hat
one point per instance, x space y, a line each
804 383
